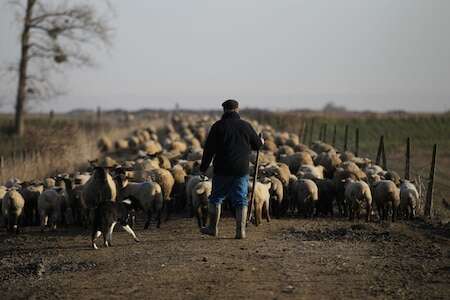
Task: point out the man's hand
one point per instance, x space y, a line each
262 140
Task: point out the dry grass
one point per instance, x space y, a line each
50 148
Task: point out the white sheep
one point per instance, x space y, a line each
200 195
144 195
262 200
191 182
409 199
12 209
306 197
310 172
358 195
51 206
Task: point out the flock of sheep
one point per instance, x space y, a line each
156 170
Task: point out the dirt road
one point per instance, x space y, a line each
288 259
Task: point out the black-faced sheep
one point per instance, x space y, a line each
392 176
179 187
50 208
327 193
30 194
330 160
340 178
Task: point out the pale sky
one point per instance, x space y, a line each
286 54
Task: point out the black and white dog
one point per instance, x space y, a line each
107 215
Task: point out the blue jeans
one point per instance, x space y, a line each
234 188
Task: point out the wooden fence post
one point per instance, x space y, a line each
408 159
334 136
99 114
383 158
346 138
429 202
302 131
357 142
325 132
2 165
311 132
321 132
380 149
305 134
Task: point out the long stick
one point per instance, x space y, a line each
255 175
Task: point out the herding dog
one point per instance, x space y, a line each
107 215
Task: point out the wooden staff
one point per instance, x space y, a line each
255 175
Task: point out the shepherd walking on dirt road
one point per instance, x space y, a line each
230 142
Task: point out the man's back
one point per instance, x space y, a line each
230 142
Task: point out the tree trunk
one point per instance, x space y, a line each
22 84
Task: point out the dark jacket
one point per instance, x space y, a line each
230 141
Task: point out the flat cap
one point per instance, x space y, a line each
230 104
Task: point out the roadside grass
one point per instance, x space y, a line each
52 146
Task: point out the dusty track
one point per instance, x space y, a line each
288 259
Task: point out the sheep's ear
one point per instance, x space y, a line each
127 201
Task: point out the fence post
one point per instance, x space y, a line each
99 114
357 142
302 131
408 159
346 138
383 158
2 165
305 134
380 149
325 132
321 132
311 132
334 136
429 202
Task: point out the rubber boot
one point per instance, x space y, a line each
214 218
241 221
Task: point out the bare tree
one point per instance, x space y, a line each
54 34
